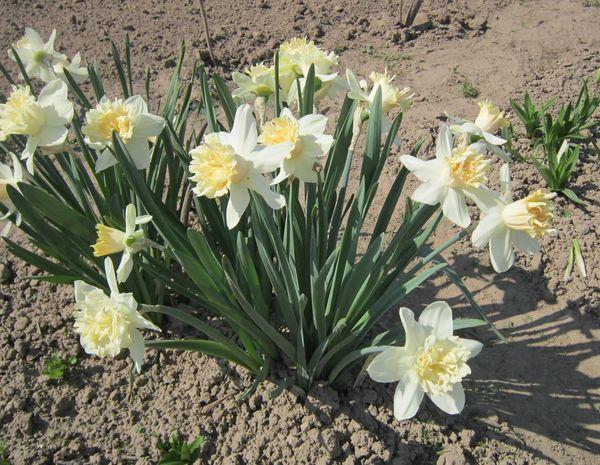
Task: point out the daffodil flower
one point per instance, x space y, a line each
257 80
38 57
78 72
107 324
42 120
130 120
309 144
433 361
506 223
232 162
130 241
455 174
9 177
489 120
295 59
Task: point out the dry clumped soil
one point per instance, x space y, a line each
533 401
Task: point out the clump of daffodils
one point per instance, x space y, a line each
43 119
129 119
41 60
129 242
433 362
106 324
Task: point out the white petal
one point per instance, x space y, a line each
355 89
443 146
281 176
105 160
243 132
136 349
125 267
484 198
468 128
302 168
407 399
492 139
260 185
312 124
455 208
390 365
524 241
452 402
501 253
239 198
473 346
505 182
487 226
143 219
52 135
140 153
430 192
148 125
52 90
268 158
111 279
81 289
422 169
438 317
130 216
414 332
137 104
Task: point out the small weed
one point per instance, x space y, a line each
56 367
3 454
177 452
338 49
369 50
431 441
469 90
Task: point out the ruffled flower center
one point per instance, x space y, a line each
467 167
533 214
107 117
282 130
21 114
441 363
391 96
490 118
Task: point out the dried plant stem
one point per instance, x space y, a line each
206 32
412 12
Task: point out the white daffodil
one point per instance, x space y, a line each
232 162
506 223
43 119
130 120
130 241
295 59
392 98
78 72
455 173
489 121
9 177
38 57
108 324
433 361
257 80
309 144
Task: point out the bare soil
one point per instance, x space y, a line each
533 401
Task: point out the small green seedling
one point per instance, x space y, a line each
575 257
469 90
56 367
3 454
177 452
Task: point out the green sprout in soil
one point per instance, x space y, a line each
575 257
3 454
56 367
177 452
469 90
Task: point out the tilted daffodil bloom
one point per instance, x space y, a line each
433 361
109 323
506 223
392 97
295 59
38 57
489 121
309 144
130 241
257 80
42 120
130 120
78 72
9 177
455 173
232 162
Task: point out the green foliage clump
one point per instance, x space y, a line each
56 367
178 452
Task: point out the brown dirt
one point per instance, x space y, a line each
533 401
